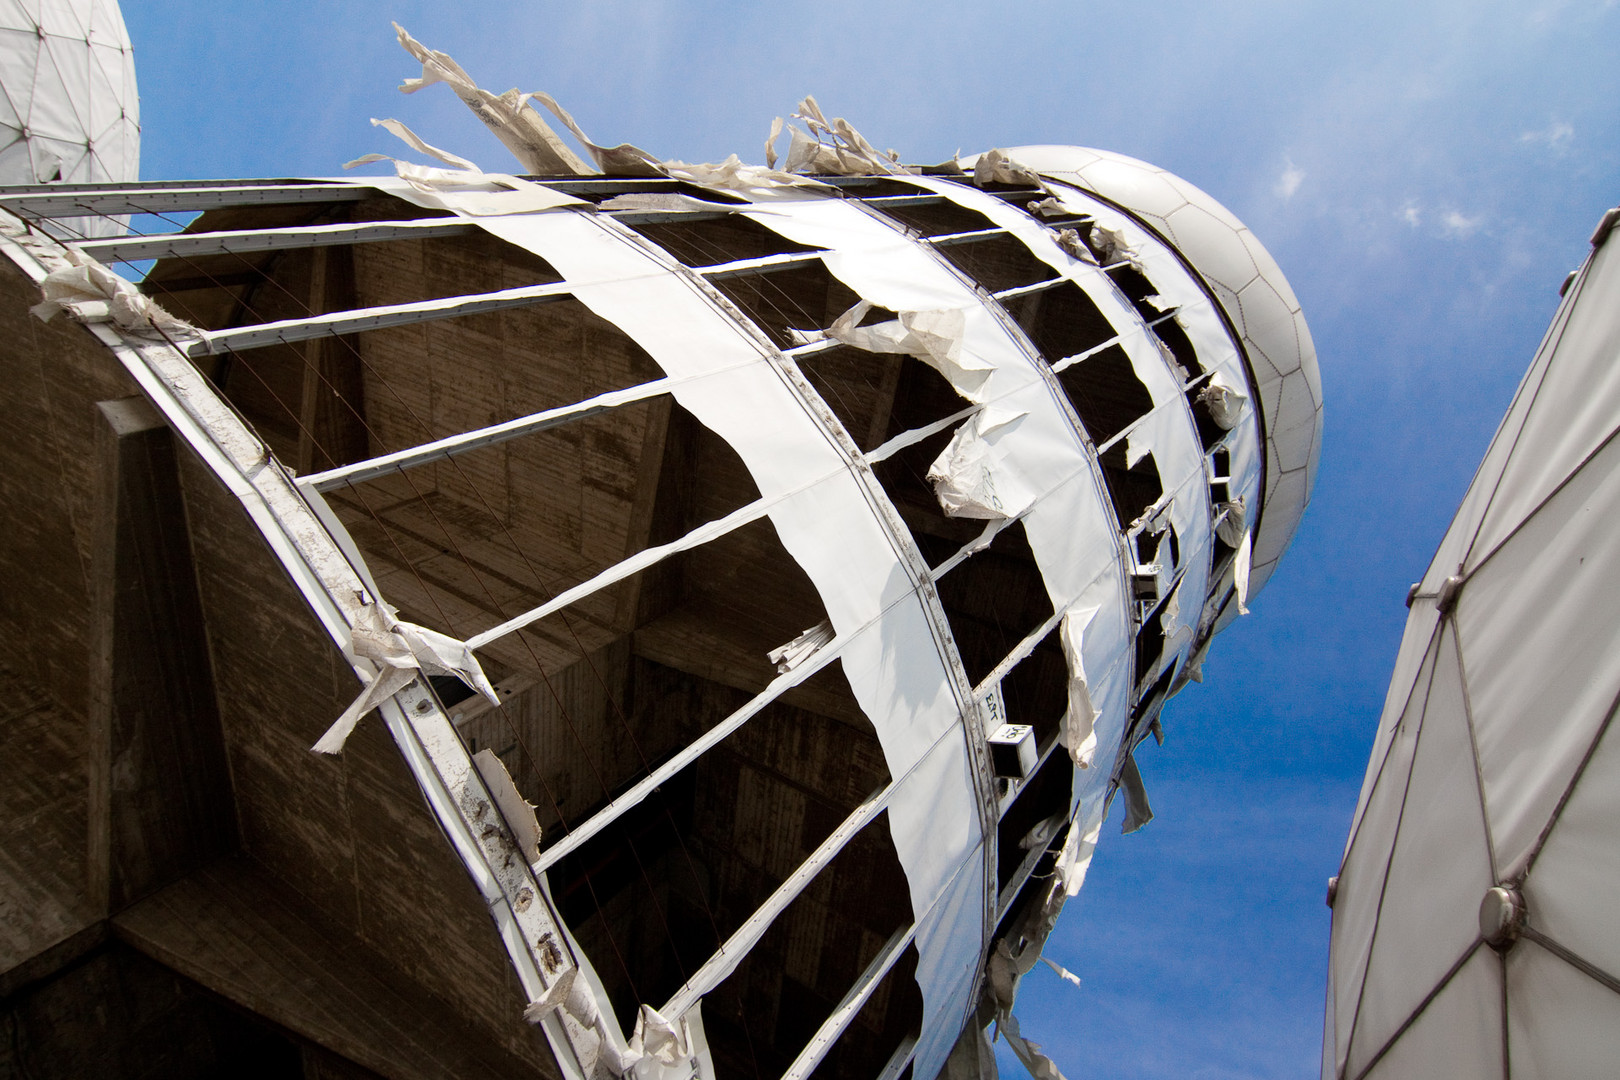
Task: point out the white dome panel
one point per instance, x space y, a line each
1562 1024
1430 1047
67 76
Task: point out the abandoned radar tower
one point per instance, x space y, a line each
725 598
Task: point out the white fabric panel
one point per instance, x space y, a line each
1416 641
950 940
1252 289
1459 1034
1362 877
894 666
1575 408
1570 891
1541 647
1068 527
1170 433
905 690
1429 914
70 107
1562 1024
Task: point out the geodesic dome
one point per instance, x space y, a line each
1473 916
68 104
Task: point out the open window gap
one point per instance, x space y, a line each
388 390
715 241
760 1018
904 477
872 394
748 813
1131 489
1035 691
992 600
244 288
1060 320
1034 817
886 1026
805 296
996 260
1106 393
941 218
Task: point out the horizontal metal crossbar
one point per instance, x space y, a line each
82 202
288 331
131 248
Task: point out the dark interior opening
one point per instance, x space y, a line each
710 241
1036 690
1061 321
1106 393
803 297
874 394
993 600
1132 490
997 262
1045 795
890 1016
942 218
763 1015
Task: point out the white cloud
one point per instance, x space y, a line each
1288 183
1458 225
1555 137
1411 214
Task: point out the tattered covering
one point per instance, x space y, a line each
1022 457
1019 455
1495 763
1254 295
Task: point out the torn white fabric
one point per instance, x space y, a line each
1042 831
91 293
972 1058
1138 445
934 337
1231 522
621 160
468 191
661 1049
515 810
508 115
789 656
1240 572
667 203
733 175
1137 810
1050 207
1029 1053
1223 400
1079 732
1069 240
845 153
1063 973
1075 858
400 650
995 167
1111 246
421 146
964 474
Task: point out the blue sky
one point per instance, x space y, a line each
1425 175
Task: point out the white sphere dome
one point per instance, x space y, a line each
69 110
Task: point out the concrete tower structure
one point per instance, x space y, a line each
726 599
